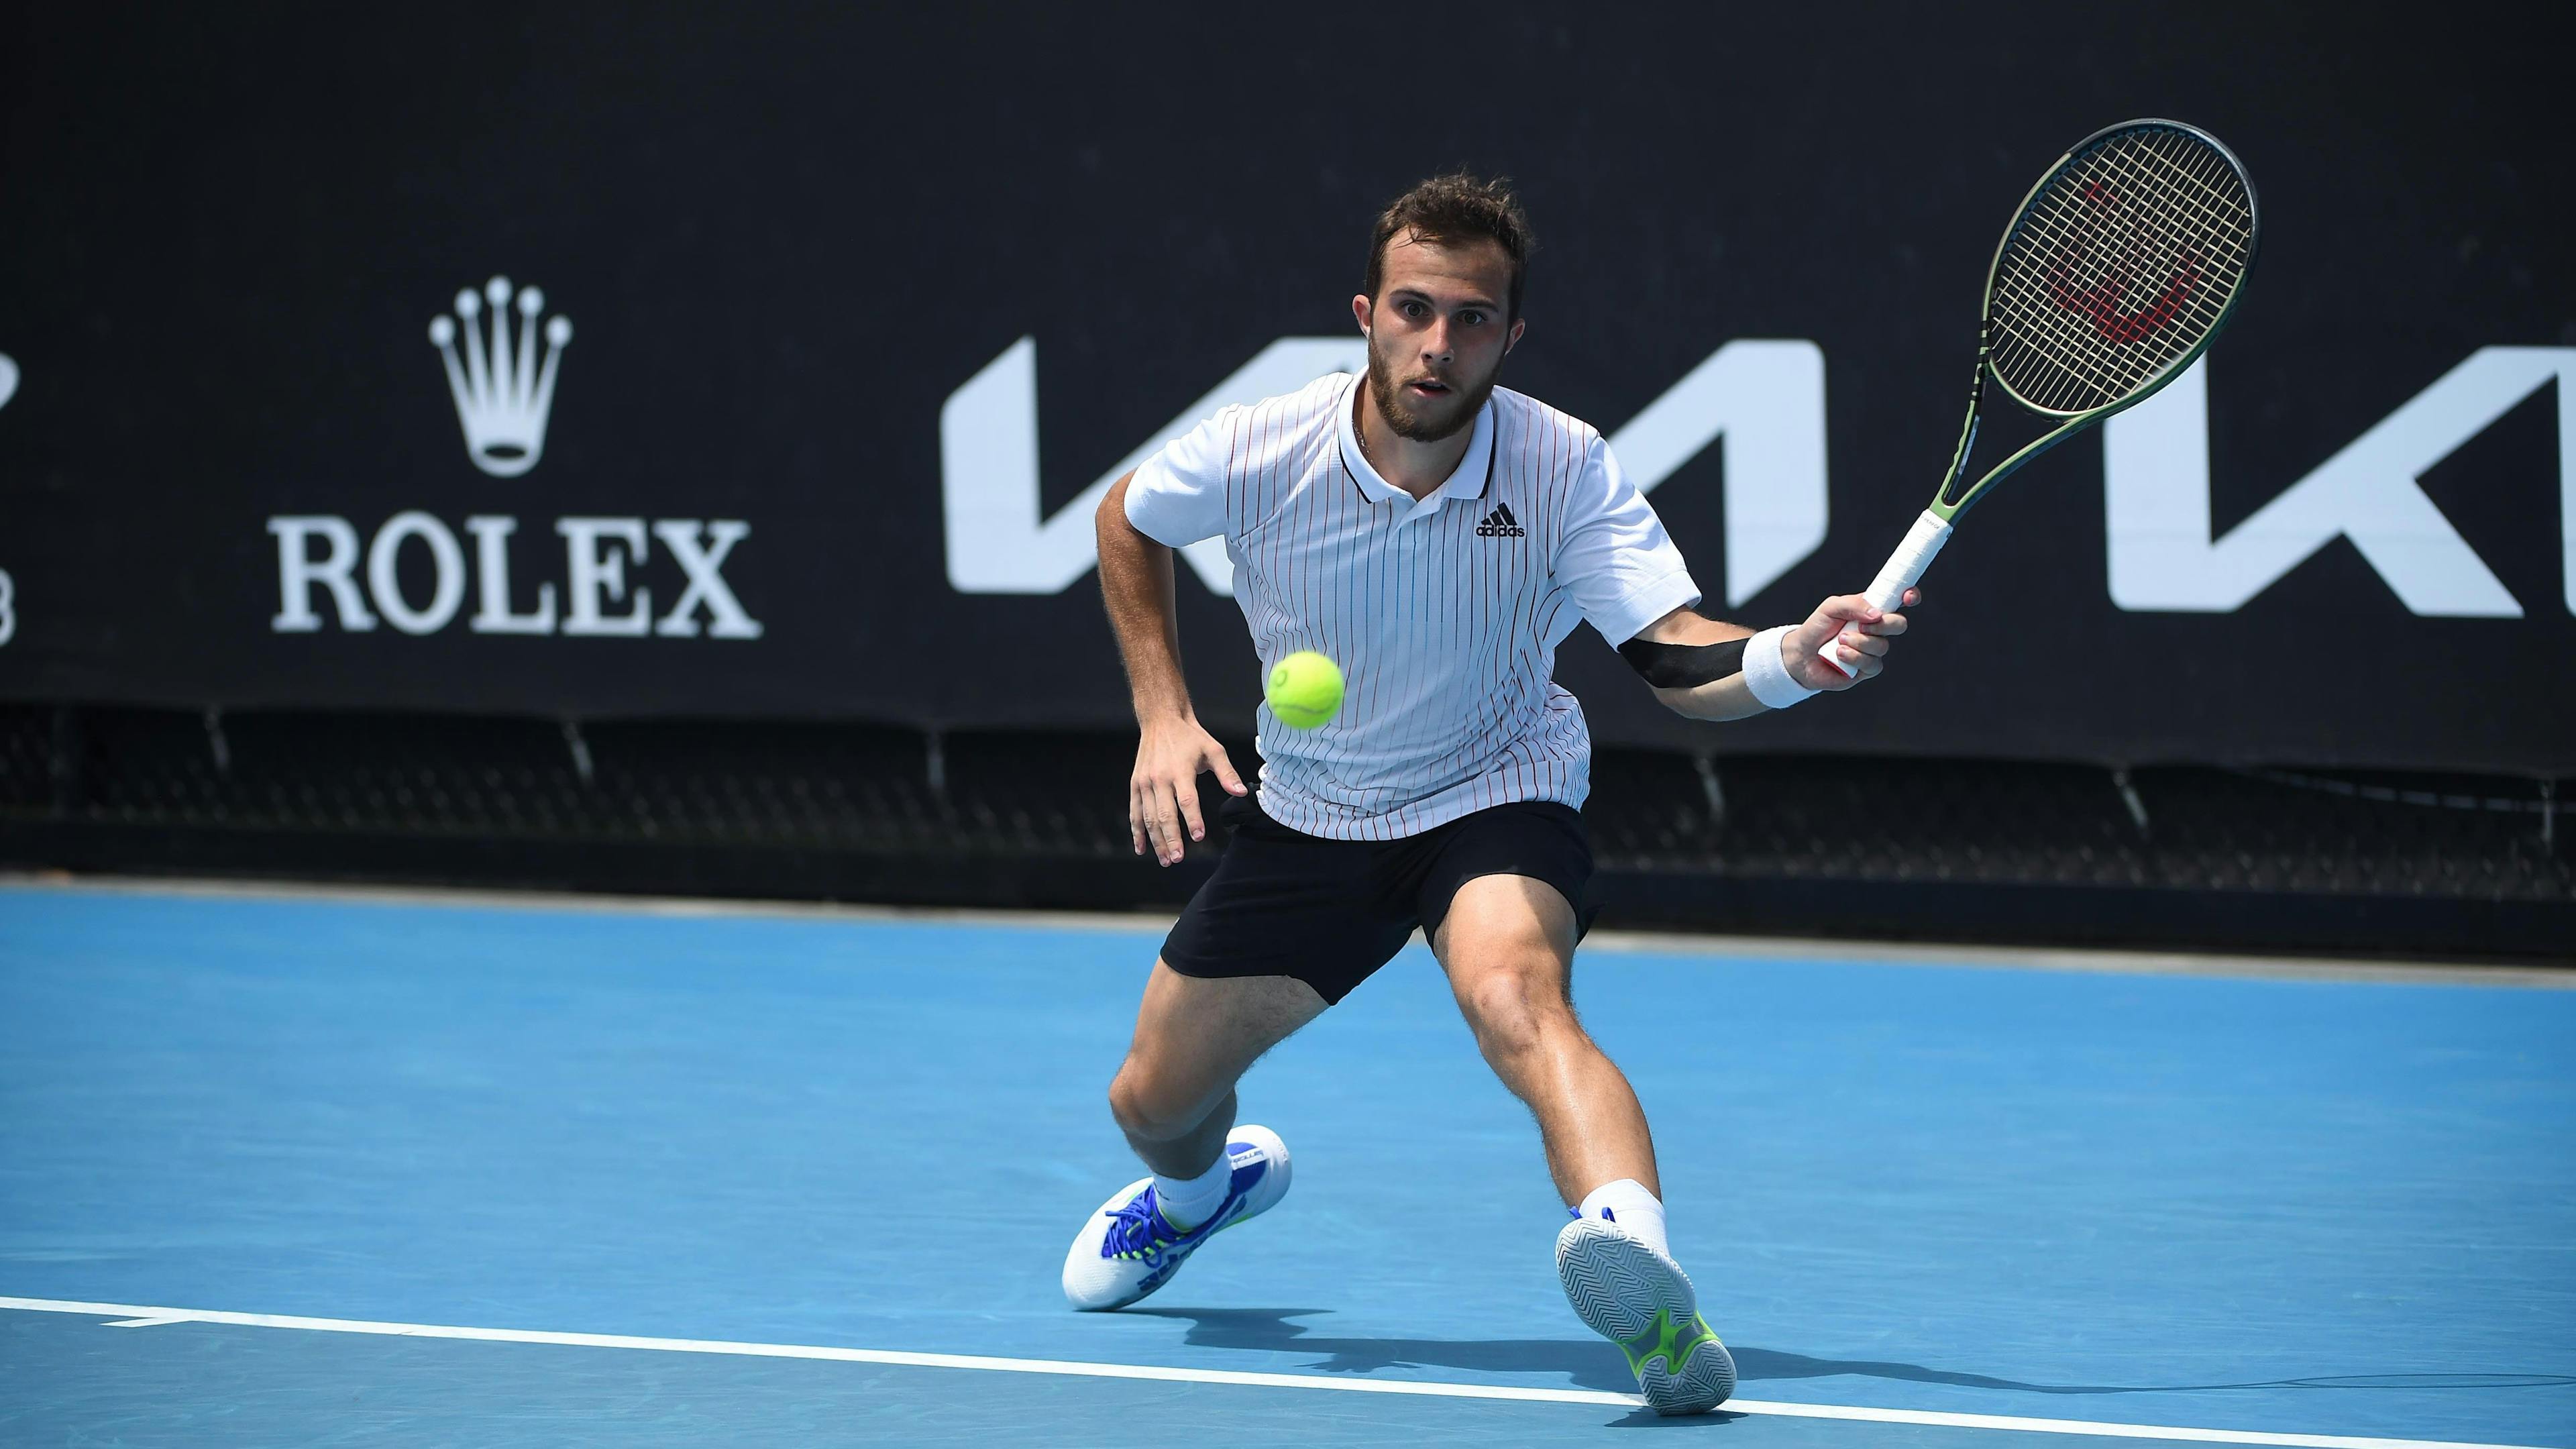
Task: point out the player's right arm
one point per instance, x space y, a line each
1137 585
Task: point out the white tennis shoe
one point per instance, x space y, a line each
1127 1250
1636 1297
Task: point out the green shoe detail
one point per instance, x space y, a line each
1675 1342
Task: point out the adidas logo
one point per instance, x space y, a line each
502 398
1501 524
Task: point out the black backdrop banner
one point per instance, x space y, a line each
766 360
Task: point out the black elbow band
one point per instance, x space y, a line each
1683 666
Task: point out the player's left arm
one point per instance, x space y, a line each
1629 580
1696 665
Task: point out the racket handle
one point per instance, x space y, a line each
1904 566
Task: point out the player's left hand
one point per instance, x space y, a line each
1859 634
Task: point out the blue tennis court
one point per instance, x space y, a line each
410 1171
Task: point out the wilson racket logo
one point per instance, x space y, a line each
2097 268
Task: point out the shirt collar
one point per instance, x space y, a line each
1475 470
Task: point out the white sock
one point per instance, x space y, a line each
1627 1203
1189 1201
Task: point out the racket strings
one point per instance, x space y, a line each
2173 214
2116 223
2109 220
2190 207
2125 260
2116 220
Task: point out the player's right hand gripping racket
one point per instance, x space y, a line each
2117 272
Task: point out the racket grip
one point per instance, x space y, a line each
1904 566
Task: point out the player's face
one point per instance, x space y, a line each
1437 332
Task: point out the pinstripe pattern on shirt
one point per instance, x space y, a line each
1444 615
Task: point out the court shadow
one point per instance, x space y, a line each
1762 1363
1592 1363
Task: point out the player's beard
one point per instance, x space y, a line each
1427 425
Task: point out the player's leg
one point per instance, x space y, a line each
1195 1038
1173 1097
1286 926
1501 905
1507 943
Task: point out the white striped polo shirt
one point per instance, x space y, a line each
1444 615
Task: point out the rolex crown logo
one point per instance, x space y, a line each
502 396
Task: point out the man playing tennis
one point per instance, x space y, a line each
1436 537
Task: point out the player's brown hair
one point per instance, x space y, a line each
1451 209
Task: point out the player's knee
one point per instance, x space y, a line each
1147 1109
1513 1012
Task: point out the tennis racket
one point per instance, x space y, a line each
2116 274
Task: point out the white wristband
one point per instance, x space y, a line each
1765 673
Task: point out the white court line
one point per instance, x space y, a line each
2015 1422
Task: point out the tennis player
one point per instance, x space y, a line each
1437 537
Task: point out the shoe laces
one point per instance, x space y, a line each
1138 1229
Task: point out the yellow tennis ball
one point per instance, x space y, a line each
1304 690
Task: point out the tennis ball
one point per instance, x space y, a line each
1304 690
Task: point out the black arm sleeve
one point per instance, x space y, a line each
1683 666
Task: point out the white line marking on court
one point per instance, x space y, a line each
155 1321
137 1315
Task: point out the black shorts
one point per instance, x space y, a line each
1330 912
